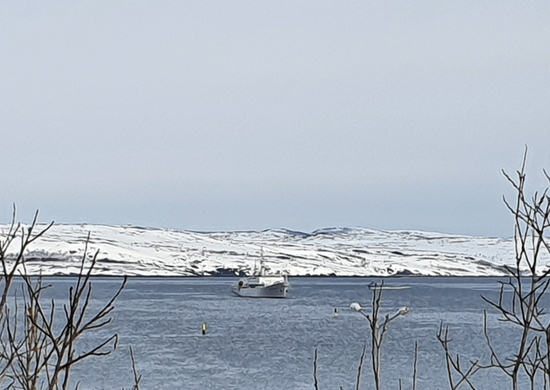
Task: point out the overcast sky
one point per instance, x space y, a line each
237 115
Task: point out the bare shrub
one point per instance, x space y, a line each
40 343
378 325
519 303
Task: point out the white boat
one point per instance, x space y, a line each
262 286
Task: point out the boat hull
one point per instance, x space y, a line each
386 287
278 290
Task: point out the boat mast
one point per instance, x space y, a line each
261 273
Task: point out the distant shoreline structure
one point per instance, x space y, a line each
369 278
229 275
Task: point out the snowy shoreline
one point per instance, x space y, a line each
339 252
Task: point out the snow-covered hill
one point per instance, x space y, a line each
131 250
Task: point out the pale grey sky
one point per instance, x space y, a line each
234 115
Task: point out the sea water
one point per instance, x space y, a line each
270 343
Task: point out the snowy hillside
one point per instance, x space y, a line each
130 250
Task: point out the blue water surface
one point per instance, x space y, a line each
270 343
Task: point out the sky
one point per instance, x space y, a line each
250 115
